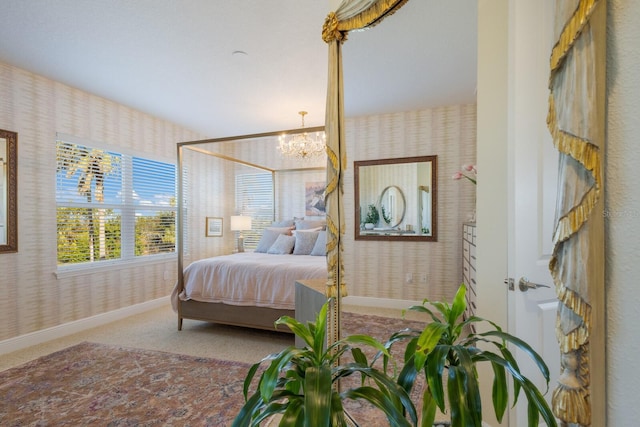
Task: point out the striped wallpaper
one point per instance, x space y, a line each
34 298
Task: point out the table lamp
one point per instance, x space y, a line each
240 223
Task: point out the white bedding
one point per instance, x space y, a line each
249 279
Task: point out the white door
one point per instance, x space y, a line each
531 201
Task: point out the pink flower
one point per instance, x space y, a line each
473 171
470 168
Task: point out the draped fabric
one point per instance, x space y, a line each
350 15
575 120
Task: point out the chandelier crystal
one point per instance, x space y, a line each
303 145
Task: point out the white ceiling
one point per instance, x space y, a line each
174 58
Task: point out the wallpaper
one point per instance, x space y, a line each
33 297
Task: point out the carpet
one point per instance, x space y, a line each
99 384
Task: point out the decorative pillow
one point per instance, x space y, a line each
308 223
282 245
269 236
305 242
285 223
281 230
320 247
310 230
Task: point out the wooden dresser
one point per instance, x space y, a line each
469 265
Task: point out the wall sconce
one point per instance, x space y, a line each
240 223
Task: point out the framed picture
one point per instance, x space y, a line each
314 194
214 226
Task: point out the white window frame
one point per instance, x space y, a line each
127 211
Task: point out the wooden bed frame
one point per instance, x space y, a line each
309 298
237 315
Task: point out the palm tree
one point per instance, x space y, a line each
93 165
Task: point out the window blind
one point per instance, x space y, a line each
254 197
112 206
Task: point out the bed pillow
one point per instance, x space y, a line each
283 245
305 240
320 247
281 230
308 230
269 236
306 224
285 223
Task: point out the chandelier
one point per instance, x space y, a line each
302 145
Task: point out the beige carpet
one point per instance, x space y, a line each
158 330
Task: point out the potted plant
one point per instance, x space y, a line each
446 344
372 217
299 383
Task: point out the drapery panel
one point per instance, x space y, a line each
350 15
575 121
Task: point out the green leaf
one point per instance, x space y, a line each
542 366
297 328
433 372
472 389
294 415
428 409
460 414
381 401
430 336
337 411
459 305
500 391
269 378
252 405
317 399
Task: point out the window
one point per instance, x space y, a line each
254 198
112 206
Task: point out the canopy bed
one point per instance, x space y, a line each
226 177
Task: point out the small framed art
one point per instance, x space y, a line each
214 226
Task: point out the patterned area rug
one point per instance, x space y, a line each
97 384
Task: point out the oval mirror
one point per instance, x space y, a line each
393 206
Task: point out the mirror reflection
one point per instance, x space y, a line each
395 199
8 191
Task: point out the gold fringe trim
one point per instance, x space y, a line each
332 29
588 155
579 336
580 149
575 218
571 32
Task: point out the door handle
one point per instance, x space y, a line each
524 285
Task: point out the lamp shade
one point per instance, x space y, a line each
240 222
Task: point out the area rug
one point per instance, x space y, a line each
98 384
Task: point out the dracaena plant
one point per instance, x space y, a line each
447 347
300 383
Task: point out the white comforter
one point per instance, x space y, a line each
248 278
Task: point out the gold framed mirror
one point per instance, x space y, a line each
396 199
8 191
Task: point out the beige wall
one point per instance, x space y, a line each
38 108
378 268
32 298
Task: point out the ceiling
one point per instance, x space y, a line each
224 68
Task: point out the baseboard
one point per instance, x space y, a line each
59 331
379 302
